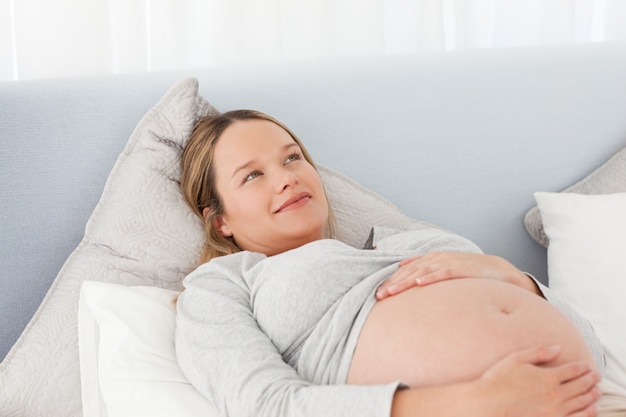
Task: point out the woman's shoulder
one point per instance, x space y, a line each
228 265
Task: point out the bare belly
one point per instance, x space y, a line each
454 330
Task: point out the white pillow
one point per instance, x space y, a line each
127 358
609 178
587 268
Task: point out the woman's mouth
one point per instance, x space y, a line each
294 202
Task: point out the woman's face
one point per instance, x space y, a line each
273 198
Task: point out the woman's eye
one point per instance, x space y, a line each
252 176
293 157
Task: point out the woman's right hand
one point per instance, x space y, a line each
520 385
524 384
421 270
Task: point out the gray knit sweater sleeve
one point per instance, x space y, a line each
227 357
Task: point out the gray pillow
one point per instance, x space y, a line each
608 178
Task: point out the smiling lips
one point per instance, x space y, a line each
296 201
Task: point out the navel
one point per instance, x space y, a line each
506 311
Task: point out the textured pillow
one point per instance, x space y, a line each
142 233
587 268
128 361
608 178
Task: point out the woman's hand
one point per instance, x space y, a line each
422 270
524 383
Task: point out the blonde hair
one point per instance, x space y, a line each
198 178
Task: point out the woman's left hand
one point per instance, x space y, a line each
422 270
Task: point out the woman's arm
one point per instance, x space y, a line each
435 254
228 359
438 266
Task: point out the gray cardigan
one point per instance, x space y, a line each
274 336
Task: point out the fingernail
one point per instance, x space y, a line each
419 281
392 288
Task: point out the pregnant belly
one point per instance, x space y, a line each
452 331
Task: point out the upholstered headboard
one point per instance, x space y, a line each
461 140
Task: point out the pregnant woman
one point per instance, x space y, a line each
282 320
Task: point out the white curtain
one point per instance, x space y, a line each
59 38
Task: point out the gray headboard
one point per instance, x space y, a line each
458 139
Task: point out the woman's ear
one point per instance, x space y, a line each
221 225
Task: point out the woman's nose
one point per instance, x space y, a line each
286 180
